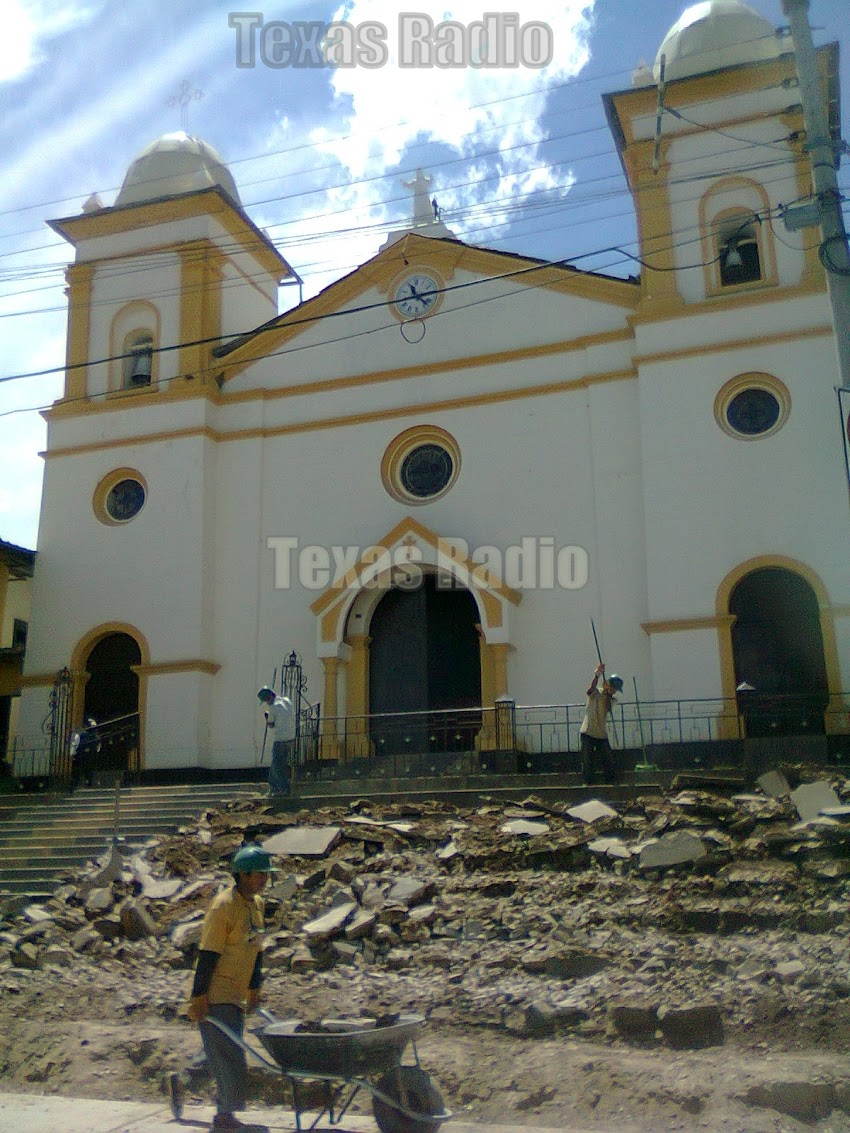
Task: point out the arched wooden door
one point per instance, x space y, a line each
424 659
777 646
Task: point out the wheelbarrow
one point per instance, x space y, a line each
349 1055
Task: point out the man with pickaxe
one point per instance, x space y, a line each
595 748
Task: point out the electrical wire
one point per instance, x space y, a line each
545 89
285 321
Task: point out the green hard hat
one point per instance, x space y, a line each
252 859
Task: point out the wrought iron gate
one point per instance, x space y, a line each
293 684
58 727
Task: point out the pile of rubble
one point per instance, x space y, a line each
672 918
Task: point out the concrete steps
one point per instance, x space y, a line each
42 841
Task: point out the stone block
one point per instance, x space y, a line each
692 1028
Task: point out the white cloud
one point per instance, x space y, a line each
28 25
491 118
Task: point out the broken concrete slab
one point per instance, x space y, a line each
692 1028
592 811
523 828
676 848
811 798
807 1101
409 891
136 921
634 1020
99 900
330 923
304 841
360 925
399 827
610 847
774 784
186 936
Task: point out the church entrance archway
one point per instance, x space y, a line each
424 659
112 699
778 650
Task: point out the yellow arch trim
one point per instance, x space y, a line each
764 239
80 656
412 527
828 613
147 321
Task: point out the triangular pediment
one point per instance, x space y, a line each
410 543
447 257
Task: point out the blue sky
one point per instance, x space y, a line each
521 159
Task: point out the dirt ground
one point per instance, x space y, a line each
101 1035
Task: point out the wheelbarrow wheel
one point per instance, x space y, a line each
412 1088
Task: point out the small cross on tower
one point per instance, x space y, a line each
184 99
423 212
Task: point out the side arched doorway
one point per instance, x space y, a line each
778 650
111 698
424 659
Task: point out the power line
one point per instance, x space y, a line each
284 320
455 215
545 89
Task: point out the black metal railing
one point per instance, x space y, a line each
109 751
469 740
503 738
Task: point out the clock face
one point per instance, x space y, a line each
416 296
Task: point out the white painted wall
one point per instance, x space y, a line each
633 469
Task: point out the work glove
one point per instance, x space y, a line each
198 1008
253 998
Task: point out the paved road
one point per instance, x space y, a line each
27 1113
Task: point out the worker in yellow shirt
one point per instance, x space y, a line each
228 976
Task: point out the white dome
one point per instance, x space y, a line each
715 34
175 164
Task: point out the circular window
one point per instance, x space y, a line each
120 496
753 411
752 406
125 500
426 471
421 465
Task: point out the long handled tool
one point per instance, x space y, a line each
599 659
596 643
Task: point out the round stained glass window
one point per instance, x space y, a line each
753 411
426 471
125 500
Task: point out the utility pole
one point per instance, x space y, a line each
822 149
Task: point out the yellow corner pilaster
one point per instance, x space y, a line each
328 739
494 683
80 279
655 225
358 743
200 313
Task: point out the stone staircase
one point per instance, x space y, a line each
42 839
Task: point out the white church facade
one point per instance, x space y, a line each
429 479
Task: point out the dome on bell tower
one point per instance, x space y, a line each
715 34
175 164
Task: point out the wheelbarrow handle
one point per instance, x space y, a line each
240 1042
